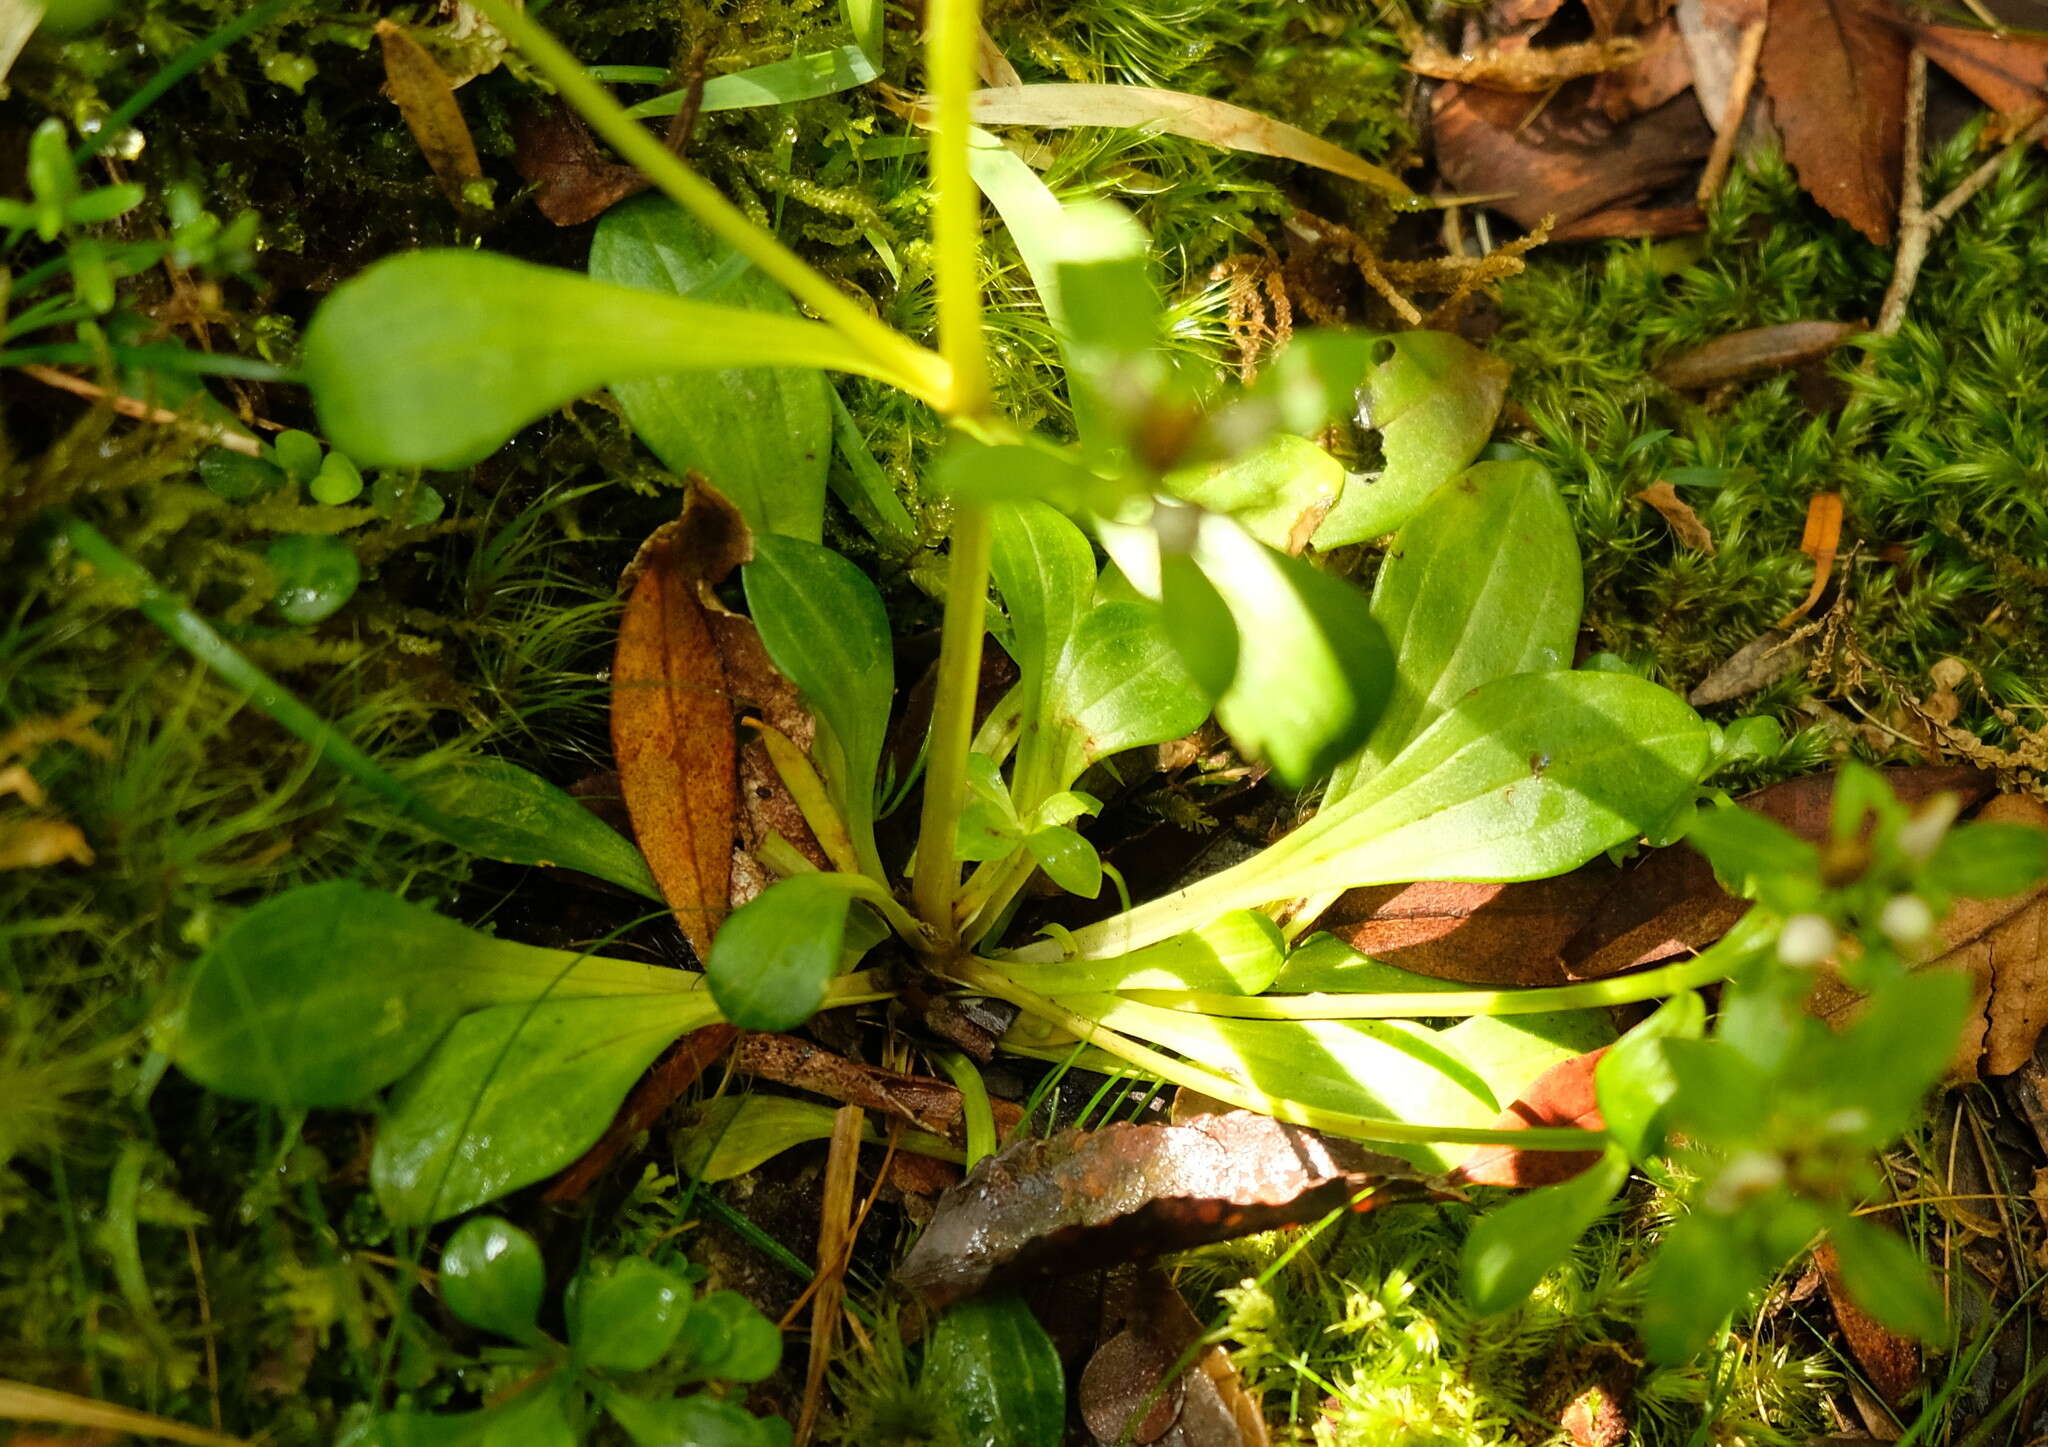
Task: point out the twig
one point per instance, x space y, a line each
142 411
1919 224
1733 112
835 1238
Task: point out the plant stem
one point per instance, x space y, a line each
952 35
974 1104
920 370
945 774
1222 1087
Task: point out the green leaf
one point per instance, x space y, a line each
761 435
1044 570
500 811
317 573
625 1319
1067 859
1434 400
1513 1245
775 954
513 1094
727 1340
1887 1278
779 82
435 358
1990 861
1277 493
1527 777
326 993
1702 1271
1120 685
1197 621
1483 584
538 1417
1635 1084
698 1421
1313 669
1718 1096
492 1276
1887 1061
824 626
1749 851
998 1374
1238 953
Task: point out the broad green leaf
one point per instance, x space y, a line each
1634 1082
779 82
735 1133
435 358
1886 1063
1482 584
1434 400
1888 1279
1745 848
824 626
1514 1244
499 810
626 1318
1990 861
1324 965
1312 665
492 1276
1529 776
1044 570
1277 493
1700 1273
1235 954
1021 472
775 954
1388 1069
1509 1052
1120 685
1717 1095
761 435
998 1374
513 1094
326 993
696 1421
1067 859
538 1417
727 1340
1197 621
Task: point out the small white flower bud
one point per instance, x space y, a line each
1906 919
1746 1176
1805 941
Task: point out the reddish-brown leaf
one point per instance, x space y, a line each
1561 1096
672 720
2009 73
1760 349
1124 1393
1891 1362
1835 71
1662 72
1571 162
2003 944
1131 1192
573 181
1675 510
426 98
1481 934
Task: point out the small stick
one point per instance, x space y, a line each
1918 224
1732 116
142 411
835 1240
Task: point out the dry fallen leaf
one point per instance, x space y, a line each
1123 1394
1835 71
1759 663
1890 1361
2008 72
1760 349
2003 944
1685 523
1713 31
39 843
1131 1192
426 98
1481 934
1561 1096
573 181
672 723
1660 73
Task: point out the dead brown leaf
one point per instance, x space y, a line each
573 180
39 843
1760 349
1661 72
1131 1192
672 723
1759 663
1481 934
1561 1096
1525 69
1124 1393
1685 523
1890 1361
1835 71
2007 72
2003 945
920 1101
1713 32
1572 161
426 98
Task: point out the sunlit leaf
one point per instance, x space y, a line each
1634 1082
1277 493
733 1134
762 436
1067 859
1238 953
778 82
1513 1245
1121 685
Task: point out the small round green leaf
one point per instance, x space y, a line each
492 1276
625 1320
236 478
693 1422
298 453
727 1340
337 482
316 575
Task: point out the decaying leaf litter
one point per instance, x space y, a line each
1844 172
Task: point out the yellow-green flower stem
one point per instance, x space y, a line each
899 360
952 39
1162 1066
945 777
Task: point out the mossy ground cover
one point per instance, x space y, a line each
162 1247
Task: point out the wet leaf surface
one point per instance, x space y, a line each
1131 1192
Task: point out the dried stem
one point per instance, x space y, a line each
1732 116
